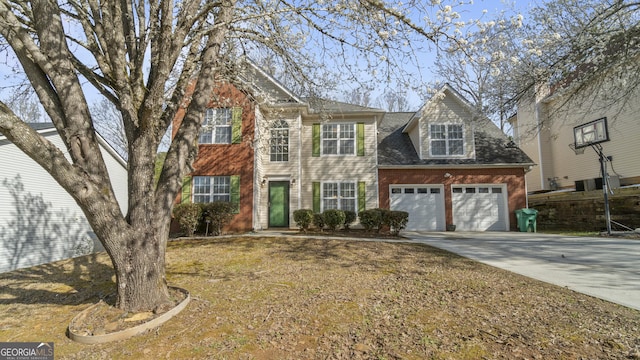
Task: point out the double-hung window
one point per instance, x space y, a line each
216 128
338 139
339 195
208 189
446 139
279 143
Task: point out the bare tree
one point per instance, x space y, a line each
140 56
480 73
25 105
107 121
585 49
359 96
394 100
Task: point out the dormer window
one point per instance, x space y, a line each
446 139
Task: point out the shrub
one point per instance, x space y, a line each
219 214
398 221
371 219
303 218
188 216
334 218
318 221
349 218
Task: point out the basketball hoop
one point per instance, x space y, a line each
578 151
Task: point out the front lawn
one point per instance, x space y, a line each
304 298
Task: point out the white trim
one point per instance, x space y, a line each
355 190
446 140
355 139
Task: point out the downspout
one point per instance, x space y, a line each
256 185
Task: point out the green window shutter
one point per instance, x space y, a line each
236 125
186 190
362 199
316 140
316 197
360 139
235 192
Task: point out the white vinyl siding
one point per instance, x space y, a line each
51 226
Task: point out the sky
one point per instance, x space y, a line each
476 10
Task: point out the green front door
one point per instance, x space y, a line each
278 204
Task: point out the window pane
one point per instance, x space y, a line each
455 147
338 139
396 191
483 190
347 147
437 191
455 132
330 204
457 190
347 131
348 205
423 190
280 142
223 135
409 190
348 190
496 190
439 147
438 132
470 190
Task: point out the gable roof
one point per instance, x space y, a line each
319 105
492 146
263 86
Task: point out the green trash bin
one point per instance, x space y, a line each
526 219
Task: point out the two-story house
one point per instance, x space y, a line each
272 152
543 128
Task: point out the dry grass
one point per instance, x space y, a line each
301 298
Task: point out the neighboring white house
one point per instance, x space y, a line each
39 221
543 128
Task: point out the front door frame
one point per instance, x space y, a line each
285 204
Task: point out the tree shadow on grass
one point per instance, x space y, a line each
80 280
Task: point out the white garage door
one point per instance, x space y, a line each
425 205
480 207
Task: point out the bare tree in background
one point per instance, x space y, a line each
587 50
107 121
481 72
140 56
25 105
394 101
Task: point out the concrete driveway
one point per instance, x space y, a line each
606 268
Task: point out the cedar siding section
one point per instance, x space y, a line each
235 159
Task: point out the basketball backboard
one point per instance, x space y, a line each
593 132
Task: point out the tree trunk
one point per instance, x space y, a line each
140 271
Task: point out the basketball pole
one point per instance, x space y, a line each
605 190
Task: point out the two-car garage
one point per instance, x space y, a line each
474 207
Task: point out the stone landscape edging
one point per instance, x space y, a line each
130 332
